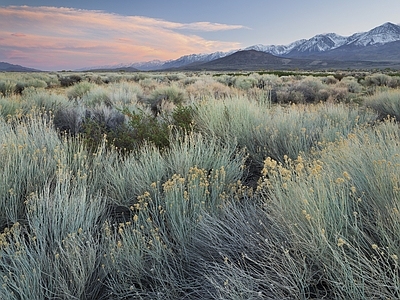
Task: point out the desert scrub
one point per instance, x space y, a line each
278 131
386 103
69 119
7 87
343 205
32 153
205 88
10 106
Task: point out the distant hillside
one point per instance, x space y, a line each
6 67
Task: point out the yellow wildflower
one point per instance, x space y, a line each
346 175
341 242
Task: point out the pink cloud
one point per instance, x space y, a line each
66 38
18 34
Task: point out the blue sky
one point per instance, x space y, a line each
72 34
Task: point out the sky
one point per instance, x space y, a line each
69 35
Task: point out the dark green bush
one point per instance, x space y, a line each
69 80
183 117
148 128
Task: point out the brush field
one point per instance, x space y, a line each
200 185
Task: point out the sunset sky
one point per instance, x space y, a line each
68 35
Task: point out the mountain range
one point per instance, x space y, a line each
378 47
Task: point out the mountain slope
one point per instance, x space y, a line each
6 67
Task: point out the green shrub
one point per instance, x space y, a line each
79 90
148 128
69 80
169 93
7 88
9 107
385 103
96 96
377 80
182 118
125 93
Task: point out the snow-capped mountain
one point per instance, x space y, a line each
277 50
329 46
148 65
320 43
380 35
383 34
194 58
